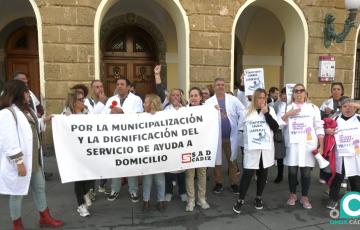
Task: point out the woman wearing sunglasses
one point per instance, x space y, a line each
75 105
303 132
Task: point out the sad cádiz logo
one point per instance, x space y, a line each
196 156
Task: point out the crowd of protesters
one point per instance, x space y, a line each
21 152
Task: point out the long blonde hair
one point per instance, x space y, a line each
255 97
155 102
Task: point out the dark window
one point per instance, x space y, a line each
118 43
21 43
140 45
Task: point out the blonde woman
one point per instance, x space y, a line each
303 133
152 104
177 101
258 125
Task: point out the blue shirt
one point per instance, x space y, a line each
225 122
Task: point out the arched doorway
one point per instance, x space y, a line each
169 28
273 35
21 55
131 52
261 39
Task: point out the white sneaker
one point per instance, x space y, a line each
343 185
101 189
322 181
203 204
184 197
87 200
168 197
190 206
83 211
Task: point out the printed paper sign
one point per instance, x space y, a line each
300 129
348 140
326 68
258 135
253 79
289 91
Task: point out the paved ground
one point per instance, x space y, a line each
122 214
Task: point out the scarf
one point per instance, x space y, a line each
329 150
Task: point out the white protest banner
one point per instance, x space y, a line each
289 92
120 145
258 134
347 140
253 79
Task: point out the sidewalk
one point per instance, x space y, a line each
122 214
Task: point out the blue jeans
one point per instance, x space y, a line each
37 186
132 181
160 186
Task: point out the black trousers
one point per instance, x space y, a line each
336 184
103 182
81 188
324 175
246 180
170 177
280 167
305 179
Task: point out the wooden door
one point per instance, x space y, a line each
22 56
130 52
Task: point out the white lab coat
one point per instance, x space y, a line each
13 140
171 107
234 110
351 163
35 101
243 99
329 103
132 104
252 157
96 108
300 154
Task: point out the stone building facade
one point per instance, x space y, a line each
194 40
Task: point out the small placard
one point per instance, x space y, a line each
326 68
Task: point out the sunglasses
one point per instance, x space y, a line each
80 99
299 90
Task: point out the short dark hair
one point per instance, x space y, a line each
283 90
339 84
128 82
197 89
273 89
82 87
